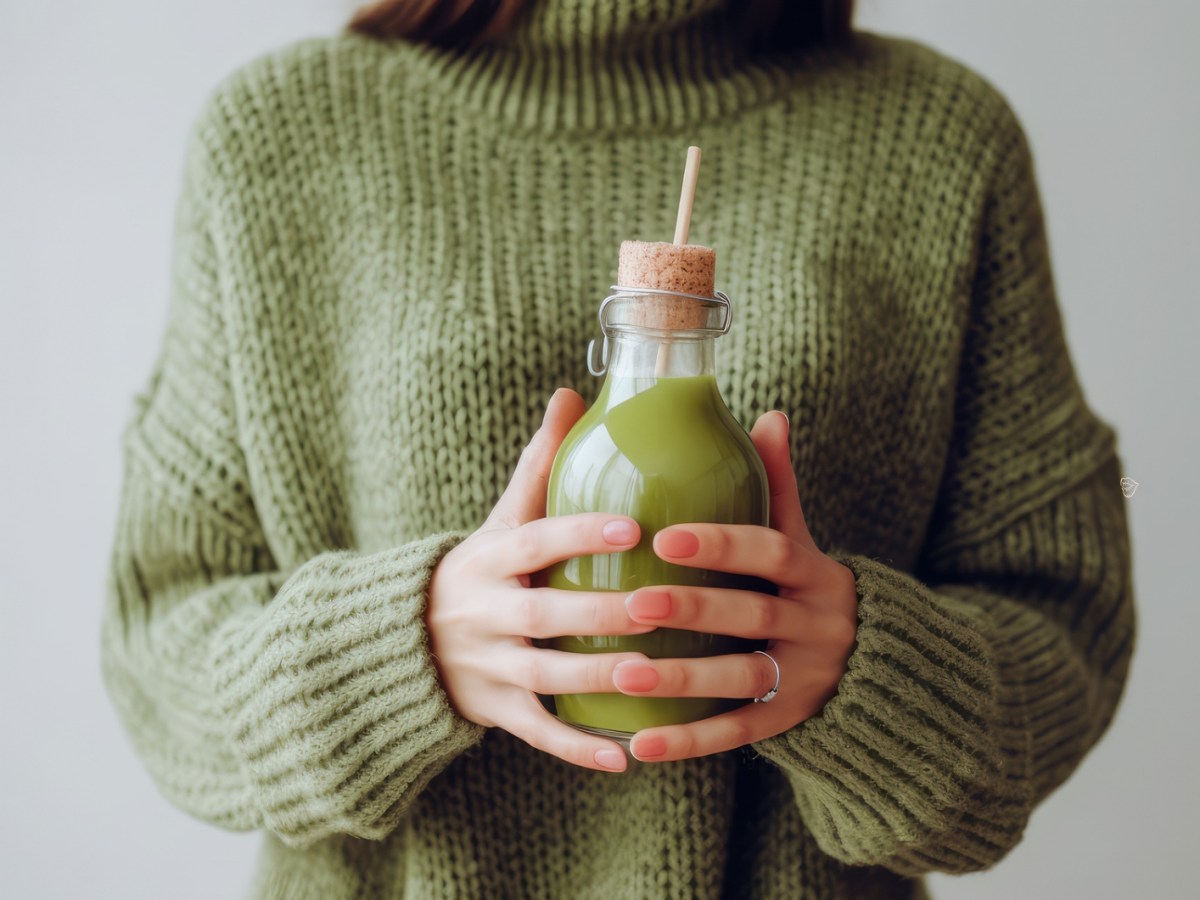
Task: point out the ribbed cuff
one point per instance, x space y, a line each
883 773
336 710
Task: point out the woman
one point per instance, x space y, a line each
390 249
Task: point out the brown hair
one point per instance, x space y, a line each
772 24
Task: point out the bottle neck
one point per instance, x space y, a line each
638 360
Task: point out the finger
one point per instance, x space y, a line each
748 614
551 672
716 734
732 675
539 729
772 438
547 613
542 542
524 499
742 549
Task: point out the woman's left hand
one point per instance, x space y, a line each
810 625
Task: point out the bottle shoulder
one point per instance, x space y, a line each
674 442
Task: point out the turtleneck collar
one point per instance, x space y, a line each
596 66
610 26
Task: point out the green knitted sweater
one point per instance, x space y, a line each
388 256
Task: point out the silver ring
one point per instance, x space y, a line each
770 695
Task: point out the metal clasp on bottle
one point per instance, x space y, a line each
598 368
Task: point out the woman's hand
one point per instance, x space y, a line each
482 610
810 626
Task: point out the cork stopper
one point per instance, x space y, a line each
687 268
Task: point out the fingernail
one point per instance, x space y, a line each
649 748
635 676
649 604
613 760
677 544
619 531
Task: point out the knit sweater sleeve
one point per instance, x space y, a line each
980 680
304 702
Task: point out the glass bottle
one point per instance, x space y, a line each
659 445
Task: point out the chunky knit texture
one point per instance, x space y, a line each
388 257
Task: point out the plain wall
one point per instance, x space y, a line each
95 101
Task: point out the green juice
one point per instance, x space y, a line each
662 451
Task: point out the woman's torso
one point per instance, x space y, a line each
412 271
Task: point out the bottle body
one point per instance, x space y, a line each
663 450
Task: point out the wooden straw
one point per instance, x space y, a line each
687 196
683 224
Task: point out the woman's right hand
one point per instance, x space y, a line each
483 612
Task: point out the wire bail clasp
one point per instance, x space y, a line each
599 366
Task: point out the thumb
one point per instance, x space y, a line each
525 497
772 438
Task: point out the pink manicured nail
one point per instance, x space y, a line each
635 676
619 532
649 604
677 544
613 760
648 748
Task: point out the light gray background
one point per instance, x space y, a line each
95 101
